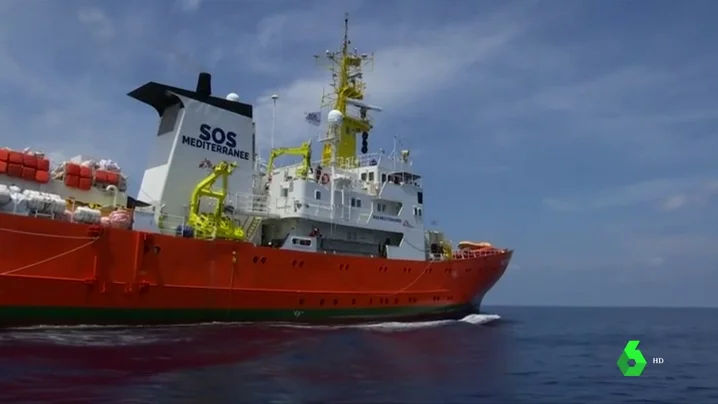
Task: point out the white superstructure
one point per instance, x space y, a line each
377 207
378 199
370 204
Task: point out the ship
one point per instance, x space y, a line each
217 234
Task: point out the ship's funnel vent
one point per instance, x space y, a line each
204 84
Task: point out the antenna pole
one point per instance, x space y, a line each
345 44
275 97
346 65
332 167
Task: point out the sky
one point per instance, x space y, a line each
581 134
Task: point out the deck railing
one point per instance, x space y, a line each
468 254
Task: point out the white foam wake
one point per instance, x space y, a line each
113 336
393 326
84 337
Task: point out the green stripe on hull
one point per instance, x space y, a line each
25 316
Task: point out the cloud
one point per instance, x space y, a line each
62 103
697 196
667 193
674 202
103 28
649 113
189 6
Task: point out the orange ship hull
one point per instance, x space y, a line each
55 272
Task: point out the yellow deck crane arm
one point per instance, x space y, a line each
216 224
305 151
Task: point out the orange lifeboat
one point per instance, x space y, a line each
470 245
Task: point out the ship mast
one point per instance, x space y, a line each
347 67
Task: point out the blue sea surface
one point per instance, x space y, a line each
528 355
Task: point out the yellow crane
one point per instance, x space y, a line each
216 224
305 151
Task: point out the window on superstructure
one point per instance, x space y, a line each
358 203
371 176
353 202
383 178
317 195
302 242
284 192
420 198
363 176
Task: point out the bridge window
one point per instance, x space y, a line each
380 207
317 194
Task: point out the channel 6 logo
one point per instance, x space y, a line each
631 352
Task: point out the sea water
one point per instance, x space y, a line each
514 354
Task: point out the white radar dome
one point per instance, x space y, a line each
232 97
335 117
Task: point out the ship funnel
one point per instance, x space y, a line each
204 84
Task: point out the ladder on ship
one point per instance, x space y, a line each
251 226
